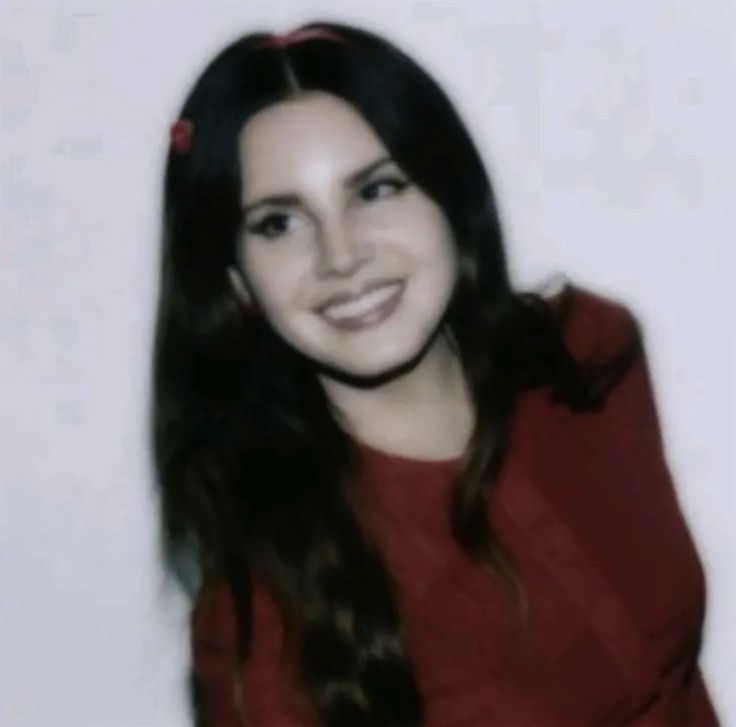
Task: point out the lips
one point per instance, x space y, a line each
346 297
367 310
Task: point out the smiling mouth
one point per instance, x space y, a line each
347 297
367 309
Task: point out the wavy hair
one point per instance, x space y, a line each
256 477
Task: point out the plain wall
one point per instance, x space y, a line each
608 129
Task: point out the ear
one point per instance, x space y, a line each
238 285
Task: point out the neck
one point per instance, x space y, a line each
426 412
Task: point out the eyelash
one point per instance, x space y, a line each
260 228
398 184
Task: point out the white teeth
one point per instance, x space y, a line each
361 305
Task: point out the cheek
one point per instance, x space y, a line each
276 279
441 254
432 234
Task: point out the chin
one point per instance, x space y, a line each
379 354
370 368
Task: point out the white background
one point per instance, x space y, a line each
608 129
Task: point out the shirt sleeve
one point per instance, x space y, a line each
598 328
263 689
212 639
683 700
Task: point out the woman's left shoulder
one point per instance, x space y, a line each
605 338
596 327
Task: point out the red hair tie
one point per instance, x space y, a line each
180 135
281 40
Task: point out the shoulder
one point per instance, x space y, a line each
595 327
605 339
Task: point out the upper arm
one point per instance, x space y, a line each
264 683
212 643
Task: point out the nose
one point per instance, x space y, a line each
340 251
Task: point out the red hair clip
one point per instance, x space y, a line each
180 135
281 40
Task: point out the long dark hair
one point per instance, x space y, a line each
256 477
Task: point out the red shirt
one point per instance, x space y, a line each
586 505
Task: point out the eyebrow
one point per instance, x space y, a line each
350 182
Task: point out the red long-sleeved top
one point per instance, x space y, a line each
586 505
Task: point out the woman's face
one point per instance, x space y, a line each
328 213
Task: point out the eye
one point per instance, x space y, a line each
372 191
270 226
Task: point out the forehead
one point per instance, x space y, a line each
316 131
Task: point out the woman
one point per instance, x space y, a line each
413 495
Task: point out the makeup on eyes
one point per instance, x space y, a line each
259 228
397 182
352 181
